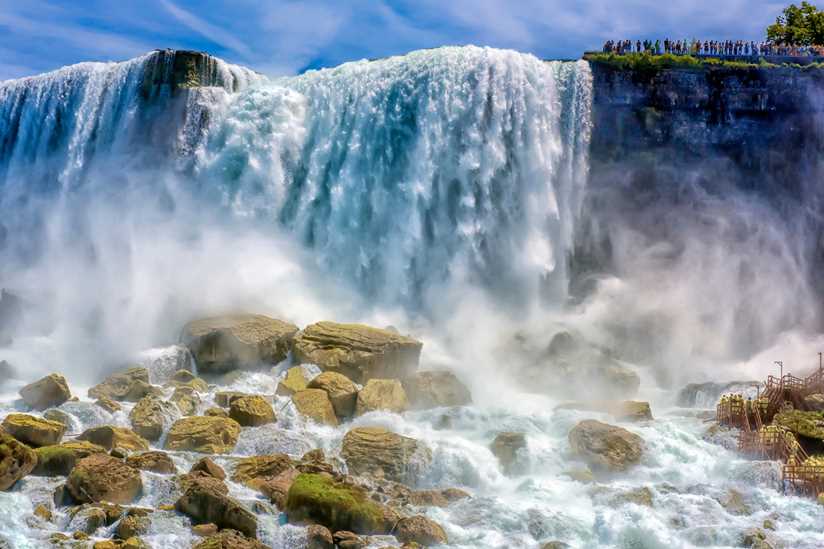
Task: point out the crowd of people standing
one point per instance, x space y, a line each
731 48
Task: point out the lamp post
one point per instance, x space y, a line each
781 365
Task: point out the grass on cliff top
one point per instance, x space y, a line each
648 62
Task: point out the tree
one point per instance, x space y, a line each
802 26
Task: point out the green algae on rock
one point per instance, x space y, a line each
319 498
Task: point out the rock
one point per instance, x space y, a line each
314 461
99 477
606 446
230 539
277 488
319 537
108 404
623 410
132 526
204 530
244 341
805 424
431 498
216 412
319 499
186 399
184 482
419 529
150 415
381 394
225 398
54 414
250 471
294 381
432 389
359 352
130 385
208 435
315 404
349 540
33 431
506 447
342 392
154 461
88 519
755 538
59 460
111 438
206 465
43 512
377 451
555 545
48 392
251 411
639 496
185 378
735 503
16 460
203 504
815 402
581 475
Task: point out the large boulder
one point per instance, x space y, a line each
16 460
100 477
382 453
251 411
204 504
115 438
185 378
421 530
294 381
224 343
229 539
206 465
506 447
342 392
431 389
50 391
315 404
606 446
253 470
129 385
154 461
381 394
32 430
186 399
318 498
60 459
208 435
150 415
225 398
359 352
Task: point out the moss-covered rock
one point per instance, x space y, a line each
315 404
60 459
431 389
185 378
294 381
206 465
805 424
229 539
115 438
606 446
359 352
381 394
16 460
250 471
154 461
204 504
251 411
342 392
382 453
320 499
108 404
58 415
47 392
419 529
209 435
33 431
225 398
150 415
129 385
100 477
216 412
244 341
186 399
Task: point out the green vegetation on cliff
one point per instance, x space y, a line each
645 62
803 26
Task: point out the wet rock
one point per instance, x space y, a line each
150 415
244 341
225 398
433 389
622 410
251 411
342 392
755 538
59 460
108 404
184 482
129 385
294 381
230 539
277 488
815 402
204 530
216 412
735 503
163 363
55 414
319 499
250 471
111 438
606 446
315 404
33 431
314 461
419 529
377 451
88 519
555 545
639 496
48 392
349 540
99 477
430 498
16 461
208 435
359 352
135 523
186 399
381 394
154 461
506 447
185 378
206 465
203 504
319 537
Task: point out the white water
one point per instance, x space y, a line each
437 192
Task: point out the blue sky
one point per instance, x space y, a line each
285 37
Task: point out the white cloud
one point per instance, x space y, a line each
207 30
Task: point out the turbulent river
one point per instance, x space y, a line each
437 192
